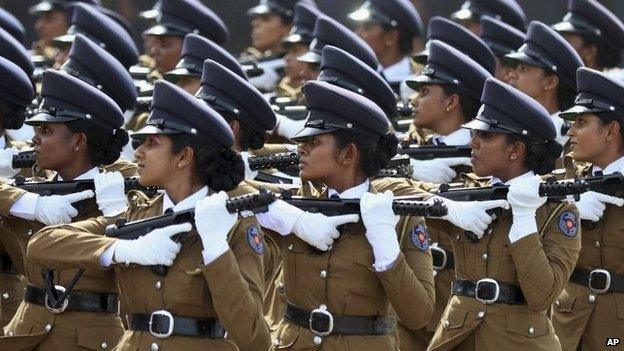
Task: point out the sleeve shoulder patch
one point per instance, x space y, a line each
568 223
254 239
420 237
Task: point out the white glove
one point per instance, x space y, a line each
524 198
591 205
58 209
6 163
471 215
110 193
380 222
249 174
319 230
438 170
154 248
213 223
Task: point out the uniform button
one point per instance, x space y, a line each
317 340
597 243
104 345
158 285
488 232
291 247
531 330
457 237
11 333
445 324
154 347
323 274
276 342
280 287
484 257
48 327
127 264
6 296
29 232
557 303
591 298
480 314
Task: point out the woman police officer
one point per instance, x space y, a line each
211 297
507 280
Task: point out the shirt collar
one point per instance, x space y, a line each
525 175
458 137
90 174
398 71
613 167
353 193
3 142
185 204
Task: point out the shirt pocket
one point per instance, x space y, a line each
527 325
98 338
565 302
296 262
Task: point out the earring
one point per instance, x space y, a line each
448 109
76 149
511 158
179 165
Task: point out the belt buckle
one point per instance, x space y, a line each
56 310
321 312
601 277
487 283
164 313
436 250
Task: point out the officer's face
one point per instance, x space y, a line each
310 71
155 160
268 31
528 79
429 106
190 84
167 51
473 26
293 67
503 70
56 146
589 138
490 154
51 24
379 39
319 158
588 53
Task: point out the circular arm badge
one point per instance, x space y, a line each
254 239
420 237
568 224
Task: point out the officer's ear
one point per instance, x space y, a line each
551 82
391 37
185 157
452 102
348 155
612 131
589 54
516 151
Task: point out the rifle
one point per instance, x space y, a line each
256 203
74 186
430 152
398 167
334 207
24 159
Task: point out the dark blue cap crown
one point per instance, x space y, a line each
15 86
281 7
400 14
304 22
92 64
14 51
226 92
598 94
12 25
508 11
500 36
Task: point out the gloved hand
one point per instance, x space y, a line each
58 209
110 193
155 248
213 223
380 222
319 230
249 174
438 170
471 215
6 163
524 198
591 205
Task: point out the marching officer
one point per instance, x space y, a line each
503 39
545 69
508 11
508 278
588 311
391 27
211 296
594 32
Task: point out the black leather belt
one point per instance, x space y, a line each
76 301
599 281
162 324
489 291
321 322
442 258
6 265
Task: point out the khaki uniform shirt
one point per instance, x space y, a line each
229 289
345 281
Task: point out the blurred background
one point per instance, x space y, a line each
233 13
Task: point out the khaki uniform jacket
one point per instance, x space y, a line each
580 317
344 280
229 289
540 264
33 326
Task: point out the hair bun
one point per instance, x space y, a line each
225 171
